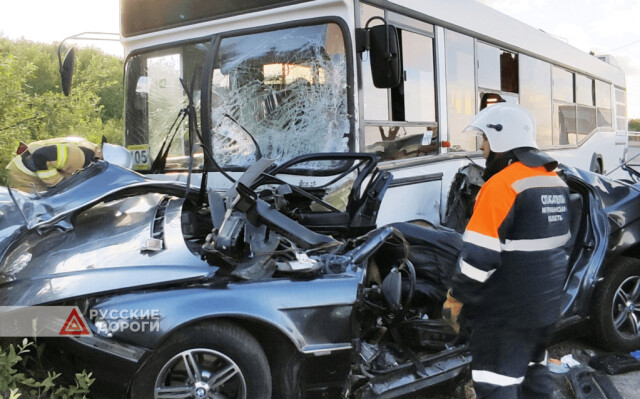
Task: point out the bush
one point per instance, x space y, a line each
23 376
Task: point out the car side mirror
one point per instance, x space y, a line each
66 69
384 53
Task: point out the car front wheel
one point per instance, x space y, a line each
617 308
214 360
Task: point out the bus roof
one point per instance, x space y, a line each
485 23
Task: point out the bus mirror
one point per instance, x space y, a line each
384 53
66 70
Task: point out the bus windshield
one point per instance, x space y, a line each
287 88
155 101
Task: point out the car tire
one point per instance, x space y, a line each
203 361
617 307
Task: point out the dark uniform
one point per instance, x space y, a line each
510 278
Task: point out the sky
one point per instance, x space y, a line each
602 26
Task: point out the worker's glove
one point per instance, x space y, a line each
451 310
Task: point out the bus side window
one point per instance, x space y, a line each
564 107
621 109
535 96
461 89
603 104
401 122
586 110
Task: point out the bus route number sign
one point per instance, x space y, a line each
141 156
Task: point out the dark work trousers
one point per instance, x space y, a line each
509 363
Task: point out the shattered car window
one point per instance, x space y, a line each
286 88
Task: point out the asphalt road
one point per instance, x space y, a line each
628 384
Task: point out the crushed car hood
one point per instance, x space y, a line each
99 182
78 242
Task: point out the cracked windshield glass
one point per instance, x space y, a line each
287 89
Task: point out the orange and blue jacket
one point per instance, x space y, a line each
514 261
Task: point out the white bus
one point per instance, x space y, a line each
296 75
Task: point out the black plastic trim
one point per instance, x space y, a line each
128 33
406 181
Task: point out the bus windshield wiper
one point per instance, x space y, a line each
160 160
190 111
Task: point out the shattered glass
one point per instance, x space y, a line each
165 98
287 89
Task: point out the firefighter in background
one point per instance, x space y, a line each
510 275
43 164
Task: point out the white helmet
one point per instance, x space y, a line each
507 126
117 155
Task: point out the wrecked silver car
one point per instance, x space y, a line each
269 290
251 295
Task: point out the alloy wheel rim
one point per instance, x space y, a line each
626 308
201 374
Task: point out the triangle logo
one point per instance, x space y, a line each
75 325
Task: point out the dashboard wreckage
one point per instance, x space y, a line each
269 290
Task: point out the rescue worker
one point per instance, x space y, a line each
510 275
43 164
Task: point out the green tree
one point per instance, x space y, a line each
32 106
15 113
634 125
44 59
104 76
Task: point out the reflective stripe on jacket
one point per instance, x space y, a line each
514 260
64 159
72 141
21 177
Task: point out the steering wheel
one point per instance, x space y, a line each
392 288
